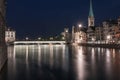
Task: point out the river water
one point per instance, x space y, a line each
61 62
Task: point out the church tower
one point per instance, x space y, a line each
91 19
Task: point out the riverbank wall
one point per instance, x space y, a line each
101 45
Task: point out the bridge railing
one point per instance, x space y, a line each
39 42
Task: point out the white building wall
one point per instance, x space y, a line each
79 37
10 36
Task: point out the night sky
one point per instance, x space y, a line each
49 17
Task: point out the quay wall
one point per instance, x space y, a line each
101 45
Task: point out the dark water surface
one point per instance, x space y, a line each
61 62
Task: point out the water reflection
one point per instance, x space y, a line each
80 63
61 62
27 58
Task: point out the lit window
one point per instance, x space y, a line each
11 35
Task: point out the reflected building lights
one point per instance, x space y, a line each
114 53
27 53
14 52
93 55
80 64
66 57
75 62
99 52
27 61
27 64
108 63
51 56
10 51
93 62
107 54
56 56
39 54
45 53
32 50
14 60
11 62
102 51
63 58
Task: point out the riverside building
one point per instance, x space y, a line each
10 35
109 32
78 34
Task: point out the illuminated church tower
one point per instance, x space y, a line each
91 19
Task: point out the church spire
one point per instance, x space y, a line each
91 10
91 16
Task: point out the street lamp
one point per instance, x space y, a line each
93 39
80 25
108 38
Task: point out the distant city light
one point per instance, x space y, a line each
63 38
26 38
51 38
39 38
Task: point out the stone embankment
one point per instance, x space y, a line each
102 45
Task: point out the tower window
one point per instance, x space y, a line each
91 23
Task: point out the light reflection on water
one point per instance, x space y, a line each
80 64
61 62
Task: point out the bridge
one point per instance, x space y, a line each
39 42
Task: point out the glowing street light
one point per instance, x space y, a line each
108 37
80 25
93 39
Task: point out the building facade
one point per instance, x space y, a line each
66 35
10 35
78 35
99 33
108 32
